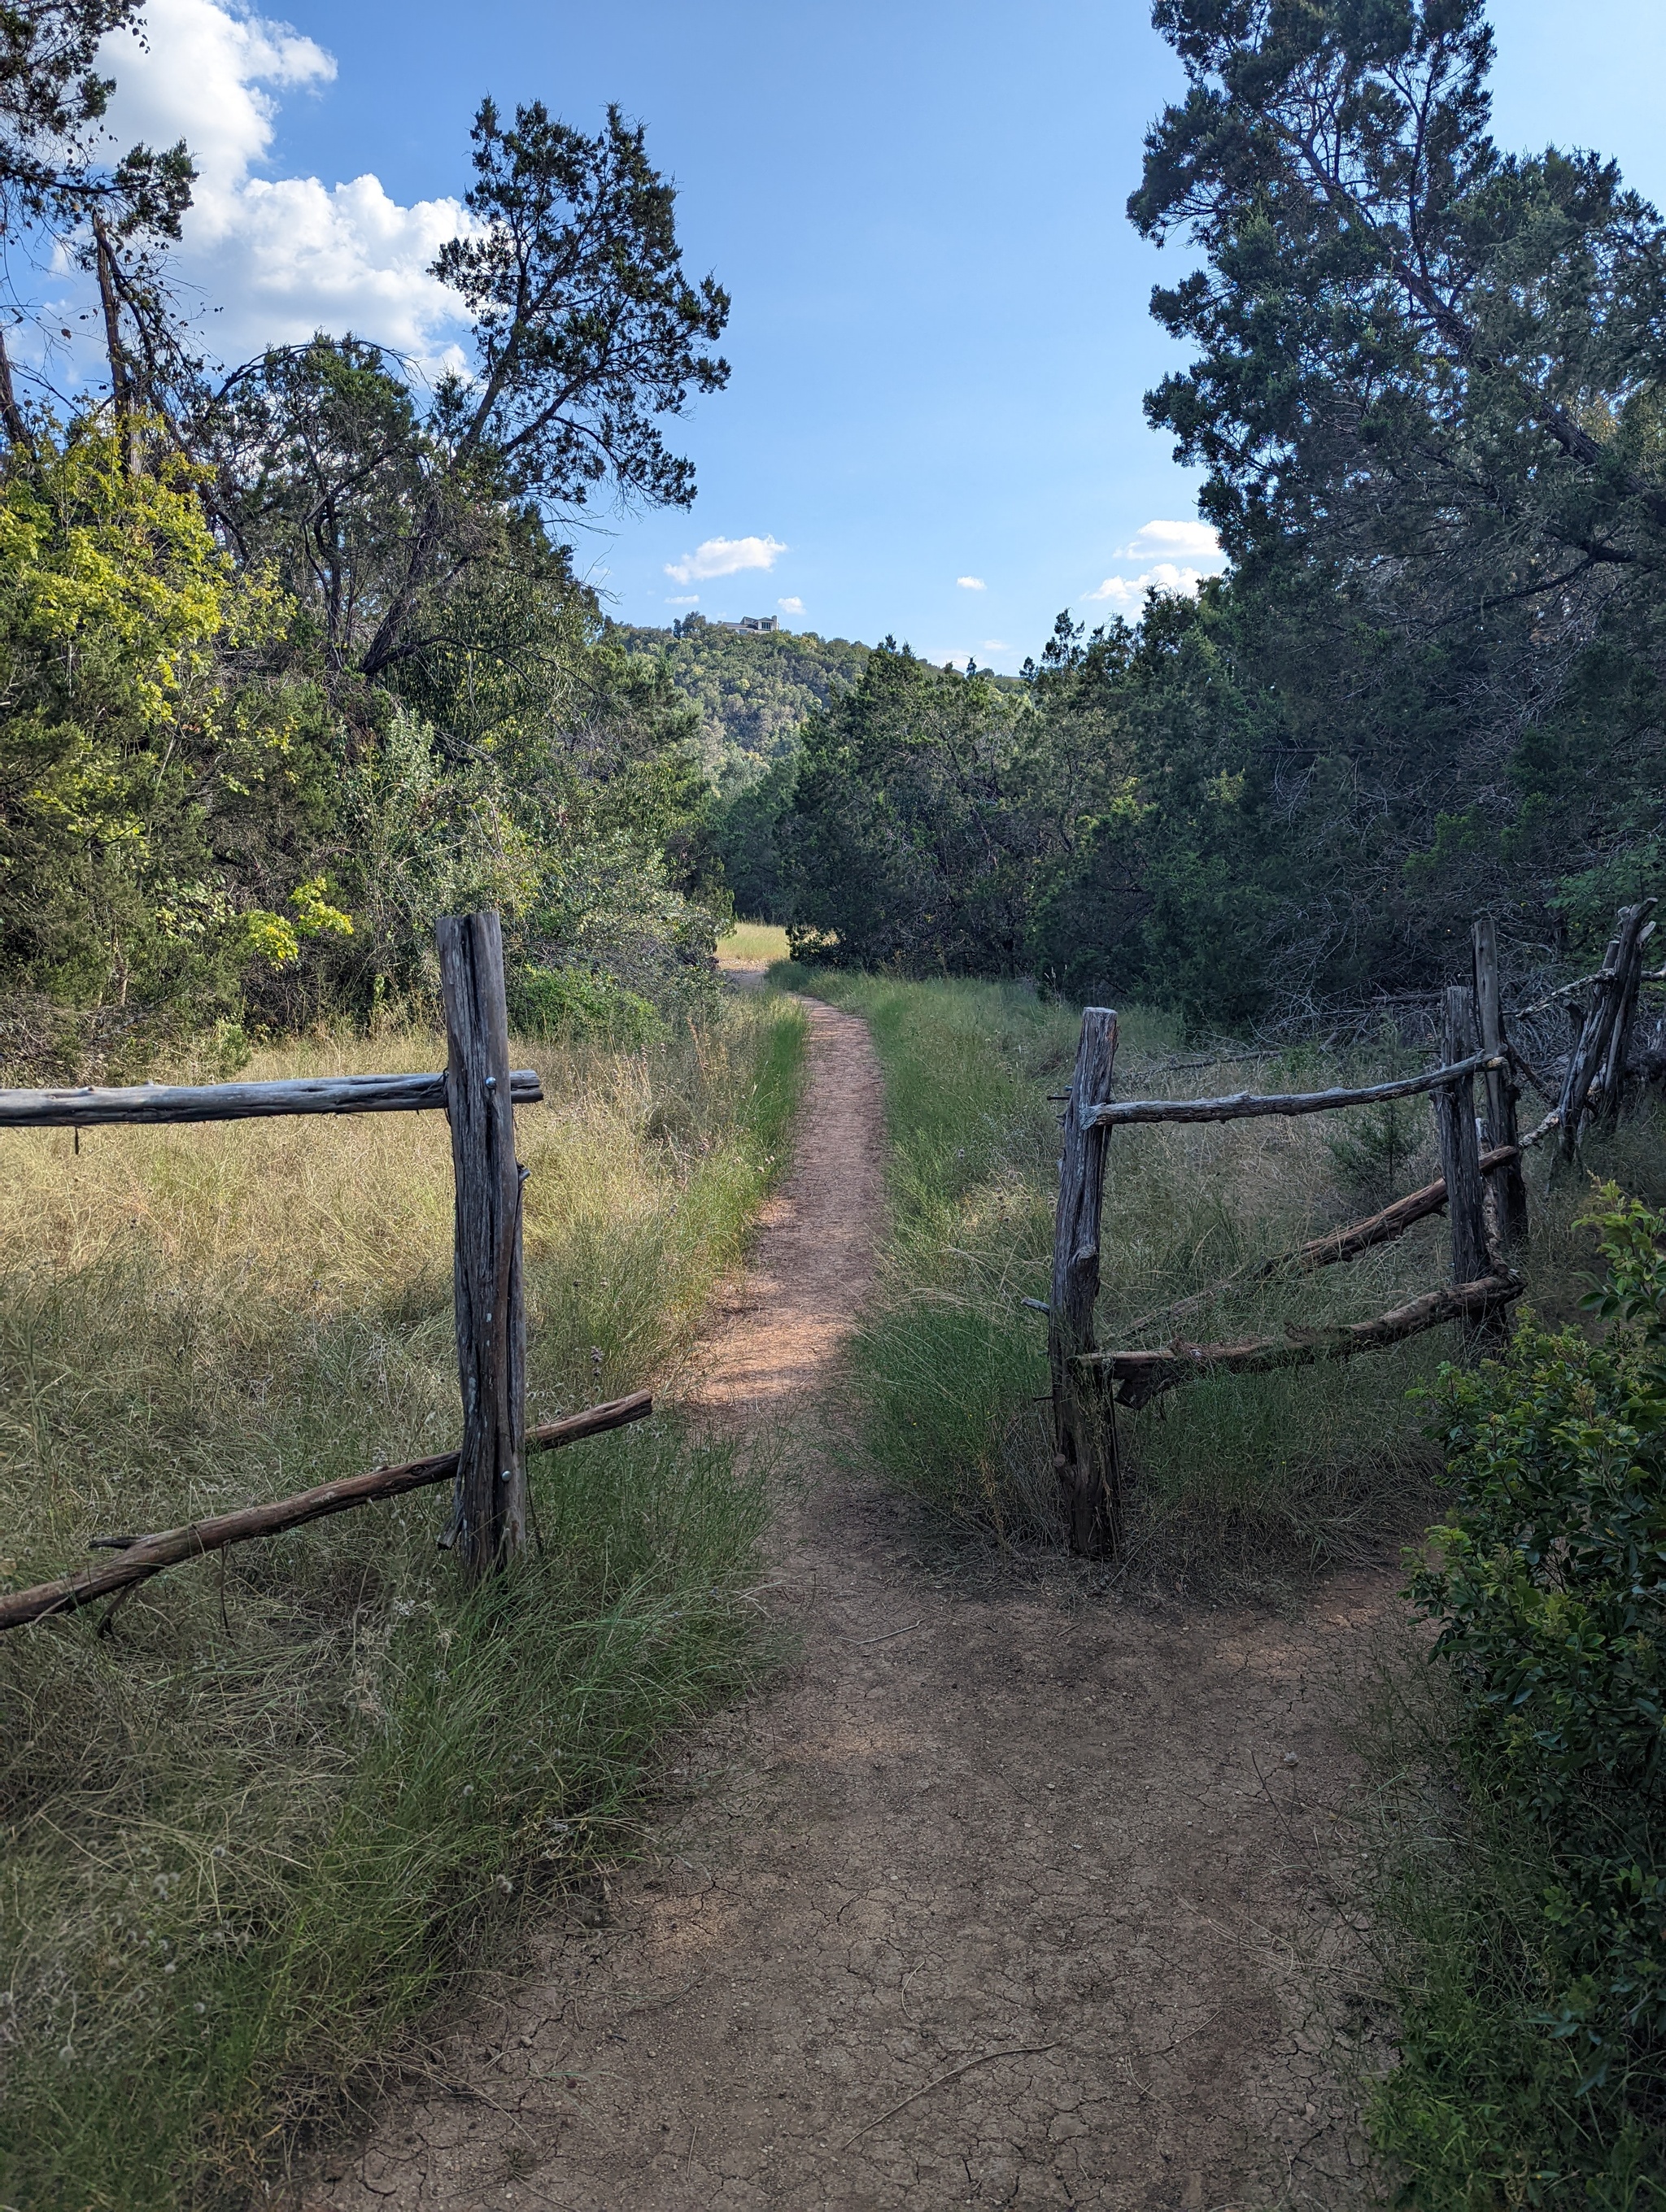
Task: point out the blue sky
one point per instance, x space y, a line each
940 337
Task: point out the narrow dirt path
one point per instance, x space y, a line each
1005 1895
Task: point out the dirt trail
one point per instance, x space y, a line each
1005 1895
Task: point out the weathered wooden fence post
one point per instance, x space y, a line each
1459 1160
1502 1091
1628 989
490 1518
1085 1455
1600 1053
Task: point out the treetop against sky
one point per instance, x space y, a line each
940 337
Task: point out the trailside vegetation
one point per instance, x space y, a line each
1536 2044
293 660
1245 1480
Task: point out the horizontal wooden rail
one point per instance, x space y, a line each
145 1102
141 1557
1346 1242
1243 1105
1137 1377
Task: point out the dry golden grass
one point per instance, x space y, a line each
248 1834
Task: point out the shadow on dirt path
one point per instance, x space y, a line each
1001 1895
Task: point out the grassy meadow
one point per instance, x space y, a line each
252 1832
748 943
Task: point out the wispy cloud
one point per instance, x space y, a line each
688 600
725 557
793 606
971 583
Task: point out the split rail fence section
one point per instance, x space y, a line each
1483 1192
478 1093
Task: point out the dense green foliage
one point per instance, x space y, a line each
1080 826
751 689
1551 1593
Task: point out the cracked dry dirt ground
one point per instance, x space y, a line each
1006 1893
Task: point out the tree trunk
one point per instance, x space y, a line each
11 415
121 391
1085 1455
490 1512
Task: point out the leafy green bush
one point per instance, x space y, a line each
568 1002
1551 1594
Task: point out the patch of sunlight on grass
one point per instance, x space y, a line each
752 944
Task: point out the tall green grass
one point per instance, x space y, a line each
264 1824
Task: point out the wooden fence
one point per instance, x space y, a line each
478 1093
1483 1193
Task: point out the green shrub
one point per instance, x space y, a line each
552 1003
1539 2043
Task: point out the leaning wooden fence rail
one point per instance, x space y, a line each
1596 1069
1347 1242
141 1557
1137 1377
478 1093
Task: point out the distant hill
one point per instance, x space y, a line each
753 688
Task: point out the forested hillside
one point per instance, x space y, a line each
753 689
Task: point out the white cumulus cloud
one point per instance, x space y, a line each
1130 591
1177 541
278 258
793 606
971 583
724 557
